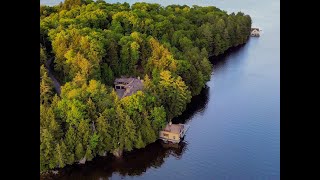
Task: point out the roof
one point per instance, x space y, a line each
120 92
174 128
255 29
123 80
132 86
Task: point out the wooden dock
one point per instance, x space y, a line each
184 131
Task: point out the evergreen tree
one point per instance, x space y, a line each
46 88
158 116
47 146
103 129
91 110
146 130
88 154
174 94
71 141
60 154
79 152
84 132
43 56
128 133
139 143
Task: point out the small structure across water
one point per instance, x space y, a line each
173 132
255 32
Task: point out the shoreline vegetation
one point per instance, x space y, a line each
92 43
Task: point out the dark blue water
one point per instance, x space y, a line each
235 121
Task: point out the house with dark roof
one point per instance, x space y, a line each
126 86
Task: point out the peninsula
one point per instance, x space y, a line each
89 47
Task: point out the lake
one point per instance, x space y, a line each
234 123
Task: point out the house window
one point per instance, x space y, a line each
174 137
165 134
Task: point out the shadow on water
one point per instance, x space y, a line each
133 163
197 105
220 60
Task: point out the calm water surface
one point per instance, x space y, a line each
235 121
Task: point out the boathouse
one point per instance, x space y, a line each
255 32
173 132
126 86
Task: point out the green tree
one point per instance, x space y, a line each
71 141
174 94
147 132
47 145
103 129
139 141
91 110
107 74
68 4
158 116
84 132
161 58
46 88
128 134
124 136
60 154
88 154
43 56
79 151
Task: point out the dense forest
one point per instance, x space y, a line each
92 43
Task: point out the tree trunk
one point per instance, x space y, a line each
104 153
118 153
93 127
83 160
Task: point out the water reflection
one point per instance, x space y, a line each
197 105
219 61
133 163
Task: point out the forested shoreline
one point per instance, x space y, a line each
95 42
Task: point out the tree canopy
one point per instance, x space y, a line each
92 43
